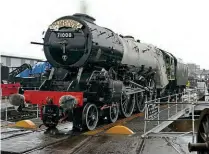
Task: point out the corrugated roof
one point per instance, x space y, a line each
13 55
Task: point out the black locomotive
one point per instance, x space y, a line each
115 73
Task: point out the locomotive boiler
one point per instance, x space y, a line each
99 74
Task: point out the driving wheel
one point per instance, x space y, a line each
127 105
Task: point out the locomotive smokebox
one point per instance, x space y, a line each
75 41
67 42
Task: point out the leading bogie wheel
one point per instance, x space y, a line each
113 112
90 116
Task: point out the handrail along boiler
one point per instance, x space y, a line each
98 73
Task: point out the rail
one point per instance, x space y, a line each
161 112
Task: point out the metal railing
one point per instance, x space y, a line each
7 109
161 112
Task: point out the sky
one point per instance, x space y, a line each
177 26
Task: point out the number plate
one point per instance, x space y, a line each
64 35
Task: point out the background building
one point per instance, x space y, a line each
195 71
16 61
203 74
193 68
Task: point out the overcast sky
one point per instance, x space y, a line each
178 26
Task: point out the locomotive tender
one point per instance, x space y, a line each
98 73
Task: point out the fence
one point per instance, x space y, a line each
9 112
161 112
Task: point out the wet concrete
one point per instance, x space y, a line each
38 122
111 144
136 125
8 130
64 147
34 140
94 145
12 132
167 145
27 142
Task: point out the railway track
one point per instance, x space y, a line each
14 132
92 140
29 141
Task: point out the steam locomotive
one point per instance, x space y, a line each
99 74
